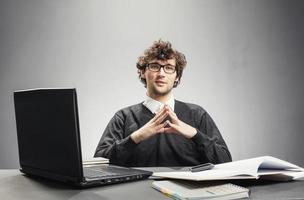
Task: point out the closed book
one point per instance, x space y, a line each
191 190
95 161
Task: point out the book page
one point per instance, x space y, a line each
242 169
275 163
213 174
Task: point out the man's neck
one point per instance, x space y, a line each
161 98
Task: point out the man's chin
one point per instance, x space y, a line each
162 92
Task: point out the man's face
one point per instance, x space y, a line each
160 83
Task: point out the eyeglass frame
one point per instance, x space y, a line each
161 66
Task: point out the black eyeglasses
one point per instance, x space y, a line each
155 67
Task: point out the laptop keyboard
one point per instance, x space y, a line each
104 171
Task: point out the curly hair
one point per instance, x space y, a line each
161 50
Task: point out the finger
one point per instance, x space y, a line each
161 118
160 127
172 127
160 113
173 116
167 106
169 109
155 117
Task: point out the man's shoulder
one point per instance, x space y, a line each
130 109
180 105
133 107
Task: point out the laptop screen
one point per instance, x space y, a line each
48 132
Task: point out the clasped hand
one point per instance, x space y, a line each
158 125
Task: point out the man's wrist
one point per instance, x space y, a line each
192 133
136 137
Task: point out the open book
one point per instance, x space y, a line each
189 190
265 167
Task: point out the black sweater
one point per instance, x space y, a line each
162 149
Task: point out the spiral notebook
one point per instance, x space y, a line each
191 190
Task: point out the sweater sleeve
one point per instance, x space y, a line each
113 143
209 141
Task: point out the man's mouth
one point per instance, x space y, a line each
160 82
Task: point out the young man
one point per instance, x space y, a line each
162 131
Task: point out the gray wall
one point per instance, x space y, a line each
245 64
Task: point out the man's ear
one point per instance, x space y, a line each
176 82
142 74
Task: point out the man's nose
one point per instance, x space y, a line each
161 71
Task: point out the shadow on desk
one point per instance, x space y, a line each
20 186
254 182
62 185
265 189
44 182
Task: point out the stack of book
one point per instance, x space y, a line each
95 161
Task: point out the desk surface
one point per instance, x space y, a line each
15 185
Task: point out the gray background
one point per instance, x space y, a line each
245 64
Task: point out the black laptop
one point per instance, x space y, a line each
49 140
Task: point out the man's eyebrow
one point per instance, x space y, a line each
161 64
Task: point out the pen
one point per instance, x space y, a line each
202 167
